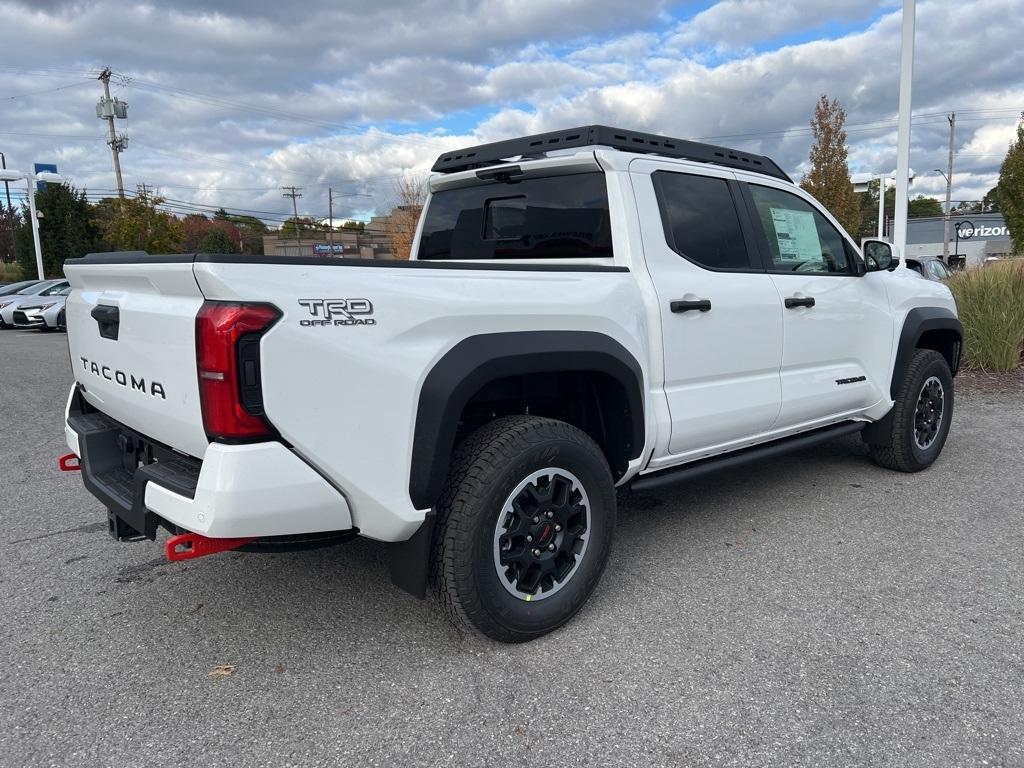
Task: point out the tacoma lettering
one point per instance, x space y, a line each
126 380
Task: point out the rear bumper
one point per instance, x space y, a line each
257 490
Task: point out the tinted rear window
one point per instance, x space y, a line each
700 220
555 217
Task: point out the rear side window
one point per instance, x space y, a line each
700 220
554 217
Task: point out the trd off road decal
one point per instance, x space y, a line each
337 312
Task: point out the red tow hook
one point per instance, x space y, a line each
188 546
69 463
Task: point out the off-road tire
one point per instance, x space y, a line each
894 446
487 466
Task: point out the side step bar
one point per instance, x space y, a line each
702 467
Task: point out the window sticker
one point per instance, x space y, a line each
797 236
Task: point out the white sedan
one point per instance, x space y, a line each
39 294
47 314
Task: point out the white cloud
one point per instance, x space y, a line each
350 76
736 24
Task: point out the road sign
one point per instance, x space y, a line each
44 168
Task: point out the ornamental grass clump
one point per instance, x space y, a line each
990 301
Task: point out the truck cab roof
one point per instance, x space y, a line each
499 160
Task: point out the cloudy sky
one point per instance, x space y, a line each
230 100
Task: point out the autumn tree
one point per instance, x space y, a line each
199 230
829 177
408 198
1010 189
137 224
66 230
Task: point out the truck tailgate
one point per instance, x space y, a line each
131 333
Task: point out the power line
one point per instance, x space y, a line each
47 90
52 135
272 112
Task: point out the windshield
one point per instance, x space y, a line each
35 290
14 288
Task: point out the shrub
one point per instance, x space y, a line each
10 273
990 301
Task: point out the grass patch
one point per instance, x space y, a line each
990 301
10 273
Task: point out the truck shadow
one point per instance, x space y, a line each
344 593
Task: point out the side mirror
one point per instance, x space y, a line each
879 255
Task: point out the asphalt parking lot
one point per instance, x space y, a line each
814 610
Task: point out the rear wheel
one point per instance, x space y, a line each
524 527
919 422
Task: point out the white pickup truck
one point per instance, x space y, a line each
582 309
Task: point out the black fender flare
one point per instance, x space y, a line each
481 359
918 321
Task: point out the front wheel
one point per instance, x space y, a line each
915 431
524 527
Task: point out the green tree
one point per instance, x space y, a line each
136 224
917 208
829 177
10 221
66 230
217 241
1010 189
303 224
921 206
990 202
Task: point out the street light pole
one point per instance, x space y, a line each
30 189
29 179
899 233
881 207
945 217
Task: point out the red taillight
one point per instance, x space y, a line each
227 356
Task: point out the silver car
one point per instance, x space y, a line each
12 288
35 295
930 268
46 314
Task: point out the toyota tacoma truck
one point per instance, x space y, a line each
582 311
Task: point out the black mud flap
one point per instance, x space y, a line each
409 560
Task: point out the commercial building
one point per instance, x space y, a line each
972 238
371 243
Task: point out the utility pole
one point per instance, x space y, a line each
107 110
330 219
949 189
10 210
294 194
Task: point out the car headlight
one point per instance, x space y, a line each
47 306
5 303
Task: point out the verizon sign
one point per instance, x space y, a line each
967 231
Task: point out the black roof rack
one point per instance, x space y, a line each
589 135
